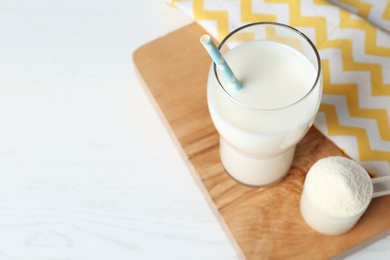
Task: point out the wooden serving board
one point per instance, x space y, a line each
264 222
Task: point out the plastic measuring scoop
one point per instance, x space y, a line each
324 222
330 225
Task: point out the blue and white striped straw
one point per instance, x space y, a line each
216 56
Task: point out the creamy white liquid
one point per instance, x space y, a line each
274 77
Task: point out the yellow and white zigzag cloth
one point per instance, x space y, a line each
375 11
355 109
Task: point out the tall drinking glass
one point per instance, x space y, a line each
260 124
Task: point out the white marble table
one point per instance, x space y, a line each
87 169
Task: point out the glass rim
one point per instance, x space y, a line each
318 76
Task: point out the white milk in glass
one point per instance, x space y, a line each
260 124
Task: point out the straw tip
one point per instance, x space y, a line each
236 86
205 38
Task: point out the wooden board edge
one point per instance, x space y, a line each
190 166
362 245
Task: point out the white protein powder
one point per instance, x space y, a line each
339 187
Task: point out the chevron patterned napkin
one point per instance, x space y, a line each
375 11
355 109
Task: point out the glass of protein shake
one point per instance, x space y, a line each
261 123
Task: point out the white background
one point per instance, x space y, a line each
87 169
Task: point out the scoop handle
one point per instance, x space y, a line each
381 186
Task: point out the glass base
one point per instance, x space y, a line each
255 171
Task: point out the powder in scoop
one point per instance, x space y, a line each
339 187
